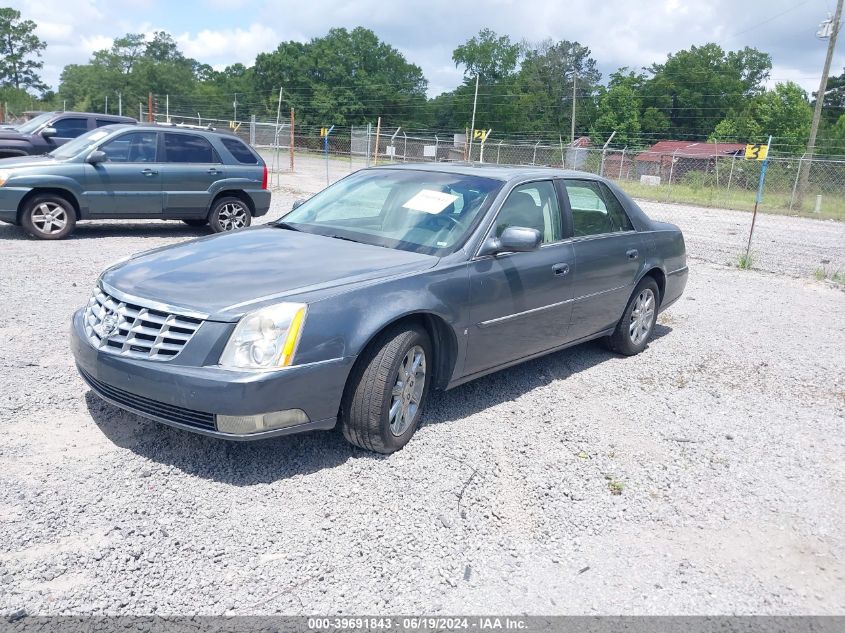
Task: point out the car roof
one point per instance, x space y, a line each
498 172
98 115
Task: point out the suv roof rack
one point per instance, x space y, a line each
207 128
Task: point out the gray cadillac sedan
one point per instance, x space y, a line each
391 282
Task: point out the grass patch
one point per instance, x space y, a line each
836 276
833 207
615 486
745 261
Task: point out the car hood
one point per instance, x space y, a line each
26 161
225 276
11 133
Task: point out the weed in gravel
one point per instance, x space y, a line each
745 261
822 274
616 487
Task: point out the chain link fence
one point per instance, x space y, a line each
715 179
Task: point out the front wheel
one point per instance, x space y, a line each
48 217
229 214
387 391
637 324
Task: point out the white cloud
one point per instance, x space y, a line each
228 46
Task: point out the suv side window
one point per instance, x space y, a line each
134 147
188 148
102 122
70 127
239 150
532 205
618 218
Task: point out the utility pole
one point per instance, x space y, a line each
817 113
235 106
150 115
574 81
472 125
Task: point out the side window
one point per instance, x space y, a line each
70 127
188 148
534 206
240 151
618 218
102 122
589 212
134 147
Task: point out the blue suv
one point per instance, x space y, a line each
197 175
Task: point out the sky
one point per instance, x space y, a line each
619 32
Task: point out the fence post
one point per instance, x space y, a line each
671 171
369 129
498 151
534 159
405 150
252 130
797 176
622 162
436 148
292 140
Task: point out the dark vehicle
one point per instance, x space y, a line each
165 172
45 132
392 282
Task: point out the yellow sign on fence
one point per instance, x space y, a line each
479 135
324 132
757 151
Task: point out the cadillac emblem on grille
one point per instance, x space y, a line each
107 326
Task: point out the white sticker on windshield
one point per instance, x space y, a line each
430 201
96 136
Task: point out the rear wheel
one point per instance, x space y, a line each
637 324
199 222
48 217
387 391
229 214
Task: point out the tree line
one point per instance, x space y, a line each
350 77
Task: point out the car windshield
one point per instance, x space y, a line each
34 123
420 211
80 144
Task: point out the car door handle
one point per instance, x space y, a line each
560 270
214 172
633 254
150 172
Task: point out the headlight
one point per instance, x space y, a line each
266 338
4 176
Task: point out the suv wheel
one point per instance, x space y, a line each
387 391
48 217
229 214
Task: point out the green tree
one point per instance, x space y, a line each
783 113
618 110
20 52
697 88
343 78
544 85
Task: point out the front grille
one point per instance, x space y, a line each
153 408
134 330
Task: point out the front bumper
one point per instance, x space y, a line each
10 200
189 397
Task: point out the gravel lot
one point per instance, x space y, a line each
725 436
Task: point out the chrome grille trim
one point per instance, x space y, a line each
139 331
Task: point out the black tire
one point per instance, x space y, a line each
365 411
197 223
221 218
48 217
631 338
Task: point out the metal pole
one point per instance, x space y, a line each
167 108
405 150
369 143
671 171
574 81
472 124
604 151
817 113
562 155
119 104
235 106
150 116
140 112
351 136
436 147
106 108
393 144
499 151
760 188
278 130
483 141
797 175
378 133
326 151
622 162
64 105
291 139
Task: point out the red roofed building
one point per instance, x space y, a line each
686 156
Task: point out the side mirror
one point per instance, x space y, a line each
96 157
49 132
514 239
297 203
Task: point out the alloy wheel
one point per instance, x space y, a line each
642 316
233 216
49 218
408 390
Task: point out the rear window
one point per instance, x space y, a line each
240 151
188 148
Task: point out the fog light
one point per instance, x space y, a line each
246 424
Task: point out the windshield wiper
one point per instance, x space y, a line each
345 239
286 225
